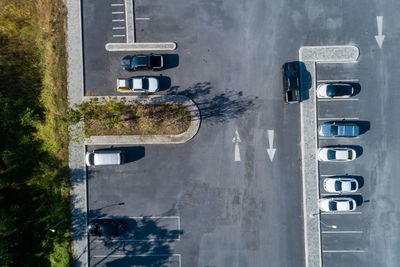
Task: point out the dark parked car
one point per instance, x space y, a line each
143 62
339 129
335 90
291 82
106 227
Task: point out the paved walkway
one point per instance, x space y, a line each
310 56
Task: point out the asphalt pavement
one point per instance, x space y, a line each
249 212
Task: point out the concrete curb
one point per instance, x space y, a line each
152 139
77 151
310 56
165 46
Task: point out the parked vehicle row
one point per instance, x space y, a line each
140 84
338 184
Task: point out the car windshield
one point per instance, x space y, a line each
334 130
338 186
330 90
353 186
350 154
332 205
145 83
331 154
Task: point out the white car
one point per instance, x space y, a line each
335 90
138 84
334 204
340 185
336 154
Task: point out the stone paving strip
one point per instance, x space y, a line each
152 139
309 56
129 19
165 46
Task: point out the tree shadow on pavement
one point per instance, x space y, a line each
217 108
147 243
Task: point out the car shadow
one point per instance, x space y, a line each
132 153
305 82
170 61
165 82
358 198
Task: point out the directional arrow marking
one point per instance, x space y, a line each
379 38
236 140
271 151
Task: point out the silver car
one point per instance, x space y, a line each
337 204
340 185
338 129
335 90
336 154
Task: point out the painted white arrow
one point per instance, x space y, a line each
379 38
236 140
271 151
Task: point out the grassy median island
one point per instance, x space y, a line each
108 116
35 206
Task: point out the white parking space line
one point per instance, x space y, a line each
117 4
177 255
118 20
118 12
337 137
342 232
342 213
338 99
119 35
142 18
118 28
343 251
335 194
333 81
336 119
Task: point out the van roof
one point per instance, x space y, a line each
107 158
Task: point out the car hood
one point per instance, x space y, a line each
153 84
325 129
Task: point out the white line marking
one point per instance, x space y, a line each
342 213
115 20
149 255
336 194
337 119
338 99
342 232
236 140
334 81
117 4
142 18
118 12
121 35
118 28
337 137
343 251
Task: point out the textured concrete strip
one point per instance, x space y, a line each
337 54
166 46
129 21
153 139
310 56
310 172
76 151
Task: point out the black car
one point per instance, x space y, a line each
106 227
143 62
291 82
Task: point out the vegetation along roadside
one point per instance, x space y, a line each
35 224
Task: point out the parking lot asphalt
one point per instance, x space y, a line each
249 212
